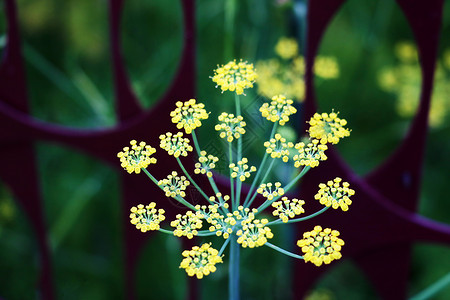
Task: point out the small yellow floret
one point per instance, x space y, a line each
334 194
200 261
230 127
235 77
278 110
287 209
189 115
328 128
136 158
146 218
175 144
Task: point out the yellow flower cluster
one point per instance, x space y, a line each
311 155
146 218
286 48
287 209
254 233
278 148
205 164
189 115
265 189
404 81
235 77
220 200
187 224
174 185
200 261
230 127
136 158
284 74
241 170
278 110
224 225
328 128
321 246
175 144
334 195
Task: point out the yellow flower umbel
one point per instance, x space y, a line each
136 158
188 115
230 127
186 225
326 67
287 209
235 77
278 110
321 246
175 144
174 185
334 195
254 233
241 170
311 155
205 164
200 261
146 218
286 48
278 148
266 190
328 128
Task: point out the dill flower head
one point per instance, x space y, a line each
220 200
287 209
175 144
278 110
174 185
189 115
321 246
230 127
241 170
254 233
235 77
326 67
270 190
206 163
187 224
309 155
200 261
278 148
335 195
136 158
328 128
146 218
406 52
286 48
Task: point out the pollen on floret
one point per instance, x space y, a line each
328 128
335 193
321 245
137 157
286 209
277 147
230 127
189 115
241 170
187 225
174 185
278 110
175 144
235 77
146 218
206 163
200 261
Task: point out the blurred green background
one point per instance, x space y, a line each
65 45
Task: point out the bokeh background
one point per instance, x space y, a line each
69 77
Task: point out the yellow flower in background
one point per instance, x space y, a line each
328 128
335 194
136 158
146 218
286 48
321 246
404 80
326 67
188 115
235 77
200 261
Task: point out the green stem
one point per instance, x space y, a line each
230 14
230 156
283 251
192 180
224 246
233 272
166 231
300 219
433 289
237 103
258 172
